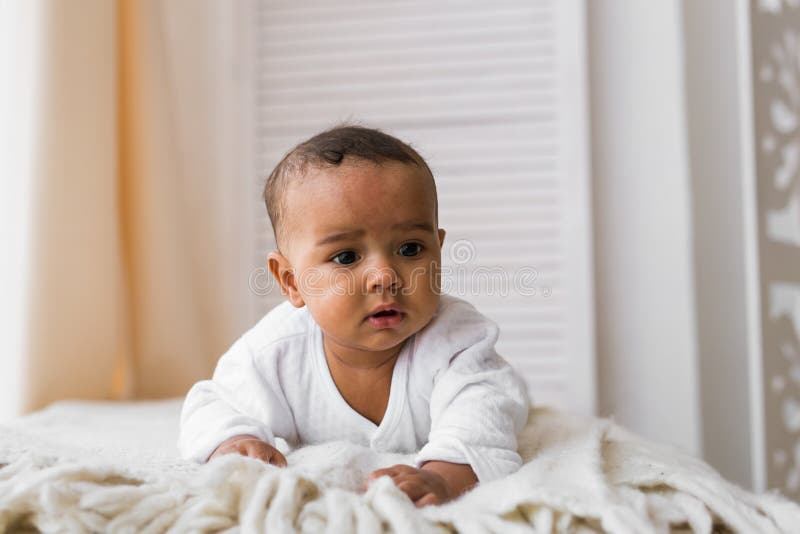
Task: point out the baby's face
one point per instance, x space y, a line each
362 236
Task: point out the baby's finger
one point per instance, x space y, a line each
277 459
250 449
255 449
392 471
413 488
266 453
426 500
387 471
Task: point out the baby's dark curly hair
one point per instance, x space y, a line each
330 149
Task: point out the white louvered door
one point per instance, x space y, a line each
492 94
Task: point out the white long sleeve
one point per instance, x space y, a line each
451 395
478 403
241 398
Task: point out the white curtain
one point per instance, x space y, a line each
124 277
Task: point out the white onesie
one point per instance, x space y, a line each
452 397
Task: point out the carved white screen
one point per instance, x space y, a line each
774 42
493 95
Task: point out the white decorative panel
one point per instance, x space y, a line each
492 94
775 37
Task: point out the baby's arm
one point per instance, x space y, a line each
458 477
477 408
240 400
478 403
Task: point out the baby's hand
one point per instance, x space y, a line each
422 486
252 447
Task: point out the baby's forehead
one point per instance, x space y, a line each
362 178
361 193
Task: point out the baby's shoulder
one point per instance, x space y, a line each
458 323
282 326
456 328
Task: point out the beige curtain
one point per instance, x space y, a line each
137 279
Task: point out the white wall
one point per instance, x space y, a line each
714 90
647 353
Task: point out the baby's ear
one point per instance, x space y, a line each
283 273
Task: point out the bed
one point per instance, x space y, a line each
113 467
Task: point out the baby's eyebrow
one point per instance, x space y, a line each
424 226
346 236
340 236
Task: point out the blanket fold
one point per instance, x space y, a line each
103 467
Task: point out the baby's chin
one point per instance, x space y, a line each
382 341
380 345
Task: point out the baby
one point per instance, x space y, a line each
366 349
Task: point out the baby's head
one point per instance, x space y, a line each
354 212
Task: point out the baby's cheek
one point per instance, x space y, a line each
335 315
415 280
341 283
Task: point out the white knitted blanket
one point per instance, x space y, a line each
102 467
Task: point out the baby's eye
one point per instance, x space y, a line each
410 249
345 258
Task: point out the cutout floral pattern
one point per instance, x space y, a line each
775 37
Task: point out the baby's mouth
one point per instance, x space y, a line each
385 310
386 315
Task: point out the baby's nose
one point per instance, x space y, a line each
382 279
